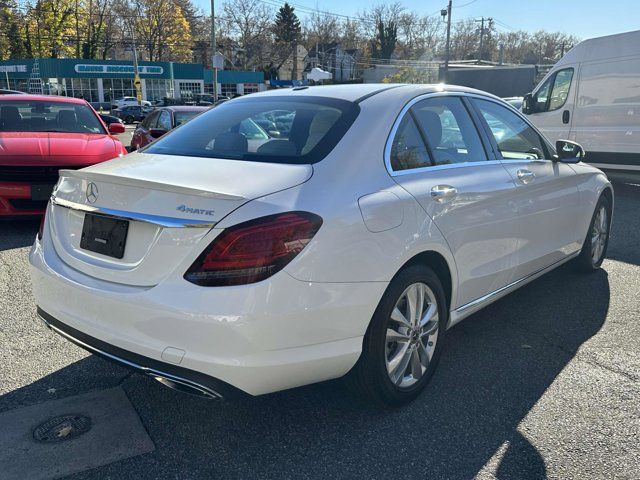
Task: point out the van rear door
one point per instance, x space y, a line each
553 101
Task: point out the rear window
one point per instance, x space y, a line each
263 129
184 117
46 116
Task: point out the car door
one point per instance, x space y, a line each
552 105
438 155
548 199
141 135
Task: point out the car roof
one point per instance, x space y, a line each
44 98
363 91
184 108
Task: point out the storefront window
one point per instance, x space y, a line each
190 89
86 88
115 88
19 84
157 89
250 88
228 89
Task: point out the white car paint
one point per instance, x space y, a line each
601 109
129 101
306 323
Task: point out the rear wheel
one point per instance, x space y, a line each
402 345
129 119
595 245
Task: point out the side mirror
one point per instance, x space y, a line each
527 102
157 132
116 128
569 152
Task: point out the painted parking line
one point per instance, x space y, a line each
70 435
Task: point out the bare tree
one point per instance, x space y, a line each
249 22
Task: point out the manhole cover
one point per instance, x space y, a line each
59 429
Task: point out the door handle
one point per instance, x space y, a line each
525 176
443 192
566 116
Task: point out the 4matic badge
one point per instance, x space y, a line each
196 211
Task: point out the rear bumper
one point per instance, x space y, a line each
170 375
273 335
15 200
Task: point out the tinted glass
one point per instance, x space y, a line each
450 133
307 130
151 120
561 85
47 116
515 138
408 150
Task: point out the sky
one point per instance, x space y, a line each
583 18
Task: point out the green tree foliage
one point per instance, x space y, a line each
287 25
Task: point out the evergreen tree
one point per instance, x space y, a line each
287 25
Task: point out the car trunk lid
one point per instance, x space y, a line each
170 203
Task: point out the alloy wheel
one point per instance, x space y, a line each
599 234
412 333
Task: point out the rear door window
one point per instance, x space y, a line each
449 131
276 129
408 150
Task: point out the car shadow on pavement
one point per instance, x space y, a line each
496 365
18 232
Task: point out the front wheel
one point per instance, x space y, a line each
403 343
129 119
595 245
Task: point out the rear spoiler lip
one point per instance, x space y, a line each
142 183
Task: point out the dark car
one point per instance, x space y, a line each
4 91
132 113
160 122
109 119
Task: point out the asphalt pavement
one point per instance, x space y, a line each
545 383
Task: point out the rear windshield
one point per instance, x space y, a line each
263 129
184 117
47 116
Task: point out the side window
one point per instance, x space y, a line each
449 131
164 121
553 93
560 91
150 121
541 97
408 149
515 138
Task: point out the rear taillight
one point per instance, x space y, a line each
252 251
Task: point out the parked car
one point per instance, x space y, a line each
160 122
129 102
591 96
40 135
348 247
109 119
4 91
131 114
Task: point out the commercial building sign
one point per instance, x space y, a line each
142 69
13 68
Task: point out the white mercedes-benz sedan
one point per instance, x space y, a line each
300 235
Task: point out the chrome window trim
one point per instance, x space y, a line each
162 221
394 130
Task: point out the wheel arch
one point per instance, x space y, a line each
440 266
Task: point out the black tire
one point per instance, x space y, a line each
369 378
585 262
129 119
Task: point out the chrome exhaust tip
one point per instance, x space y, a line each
183 386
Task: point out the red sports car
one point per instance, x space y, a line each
40 135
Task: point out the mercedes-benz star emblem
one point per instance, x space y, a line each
92 192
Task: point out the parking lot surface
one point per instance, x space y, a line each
544 383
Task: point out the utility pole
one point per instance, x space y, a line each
214 57
447 12
482 32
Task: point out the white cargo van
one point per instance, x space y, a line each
592 96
